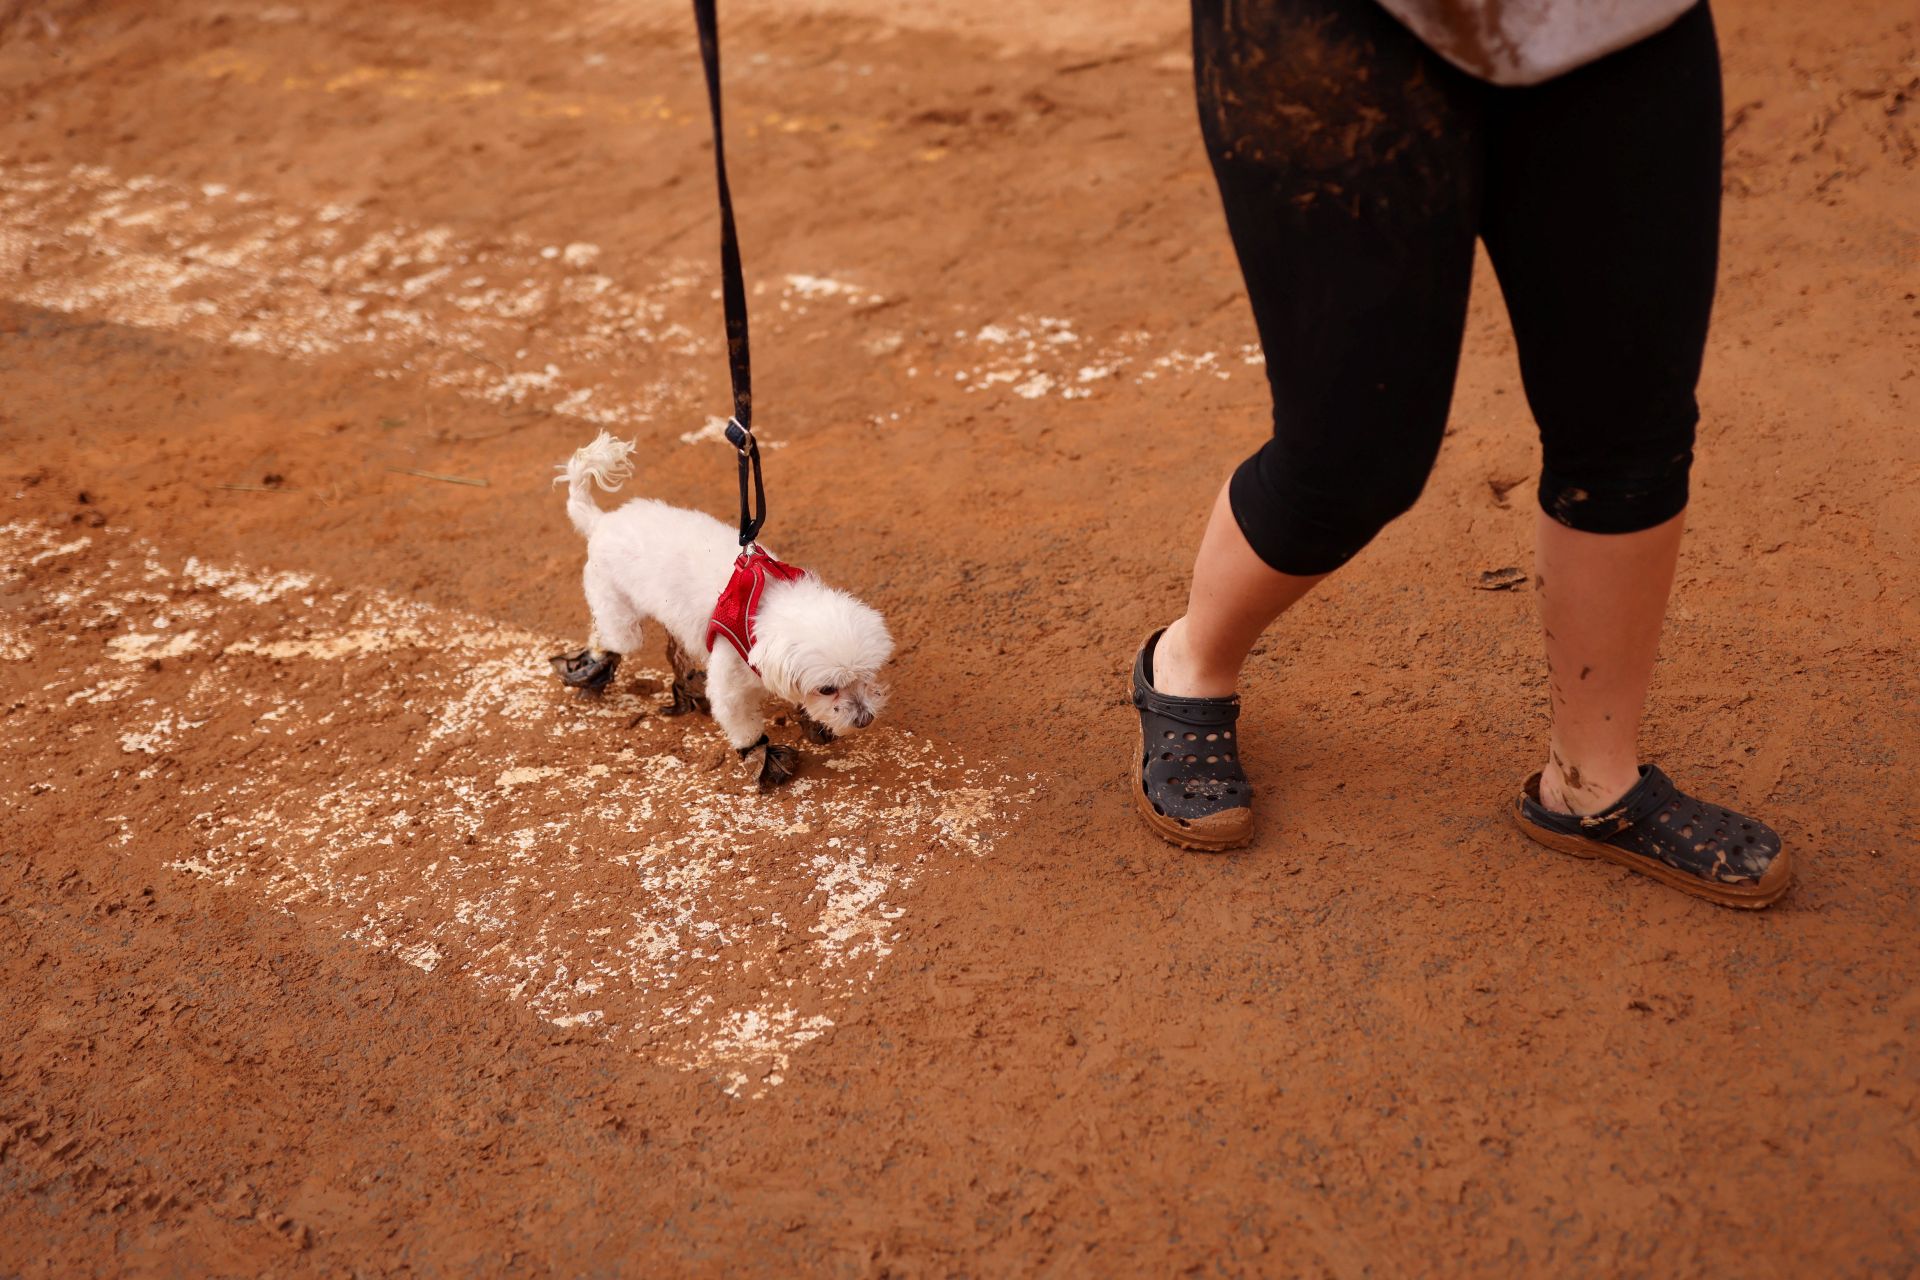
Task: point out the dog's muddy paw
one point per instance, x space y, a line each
687 696
589 671
777 767
689 684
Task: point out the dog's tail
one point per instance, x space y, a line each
605 463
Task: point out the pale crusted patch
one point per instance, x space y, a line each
237 584
137 646
14 646
522 776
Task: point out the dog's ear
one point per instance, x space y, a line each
878 640
782 661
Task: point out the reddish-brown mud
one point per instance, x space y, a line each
337 940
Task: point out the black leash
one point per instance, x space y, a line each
733 293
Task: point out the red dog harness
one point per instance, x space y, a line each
739 602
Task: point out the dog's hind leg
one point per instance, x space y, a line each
616 630
737 696
689 683
616 624
590 670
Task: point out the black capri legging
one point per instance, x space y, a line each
1357 168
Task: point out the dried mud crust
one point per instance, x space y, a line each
1318 107
1391 1038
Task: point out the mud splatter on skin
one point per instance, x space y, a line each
1569 773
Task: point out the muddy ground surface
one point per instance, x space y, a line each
337 940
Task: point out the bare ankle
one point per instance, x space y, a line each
1568 787
1176 670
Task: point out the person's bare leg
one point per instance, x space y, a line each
1602 599
1234 597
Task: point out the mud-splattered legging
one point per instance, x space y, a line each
1357 168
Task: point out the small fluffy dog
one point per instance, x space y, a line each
808 644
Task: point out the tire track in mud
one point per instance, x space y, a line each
412 778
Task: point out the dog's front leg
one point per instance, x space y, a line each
816 732
736 694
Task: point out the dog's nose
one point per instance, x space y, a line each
862 718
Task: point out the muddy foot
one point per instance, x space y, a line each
684 700
589 670
777 767
817 733
689 684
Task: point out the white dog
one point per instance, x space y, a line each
802 641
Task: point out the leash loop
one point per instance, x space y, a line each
752 514
733 293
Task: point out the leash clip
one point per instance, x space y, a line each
753 490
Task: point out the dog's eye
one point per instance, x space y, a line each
828 690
